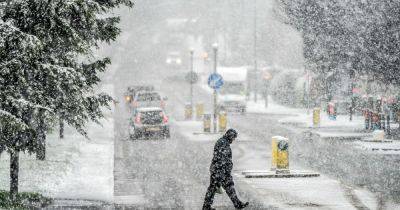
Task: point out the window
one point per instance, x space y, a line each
233 88
148 97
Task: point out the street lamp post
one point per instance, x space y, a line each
351 92
255 51
191 78
215 48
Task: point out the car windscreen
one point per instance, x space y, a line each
233 88
149 97
174 55
151 117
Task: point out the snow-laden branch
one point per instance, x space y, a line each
13 117
30 104
60 69
8 28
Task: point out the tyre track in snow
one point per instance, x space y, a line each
353 199
172 174
202 152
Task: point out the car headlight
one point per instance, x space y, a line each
178 61
168 61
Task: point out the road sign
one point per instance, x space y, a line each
215 81
191 77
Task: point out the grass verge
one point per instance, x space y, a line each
23 200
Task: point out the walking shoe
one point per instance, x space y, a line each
242 205
208 208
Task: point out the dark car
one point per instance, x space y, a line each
133 90
148 99
149 121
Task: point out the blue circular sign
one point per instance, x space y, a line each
215 81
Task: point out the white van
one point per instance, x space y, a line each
232 95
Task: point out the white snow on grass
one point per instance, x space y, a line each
342 134
75 167
303 118
379 147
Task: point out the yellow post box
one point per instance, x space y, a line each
282 156
274 148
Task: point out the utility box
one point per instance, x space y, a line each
199 111
188 111
378 135
207 123
316 117
222 121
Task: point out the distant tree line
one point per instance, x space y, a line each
348 37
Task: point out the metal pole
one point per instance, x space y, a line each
255 51
351 111
266 93
191 79
215 47
308 90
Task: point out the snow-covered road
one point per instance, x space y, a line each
174 173
156 173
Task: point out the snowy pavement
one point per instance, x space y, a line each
284 193
332 149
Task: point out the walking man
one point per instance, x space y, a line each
220 170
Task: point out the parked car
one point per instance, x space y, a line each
148 99
147 121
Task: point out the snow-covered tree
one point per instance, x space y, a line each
20 97
345 37
47 71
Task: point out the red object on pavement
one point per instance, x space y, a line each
137 120
331 108
356 90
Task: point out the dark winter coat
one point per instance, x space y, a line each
221 164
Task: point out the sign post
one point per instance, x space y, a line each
191 75
215 81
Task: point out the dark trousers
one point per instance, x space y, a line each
216 181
